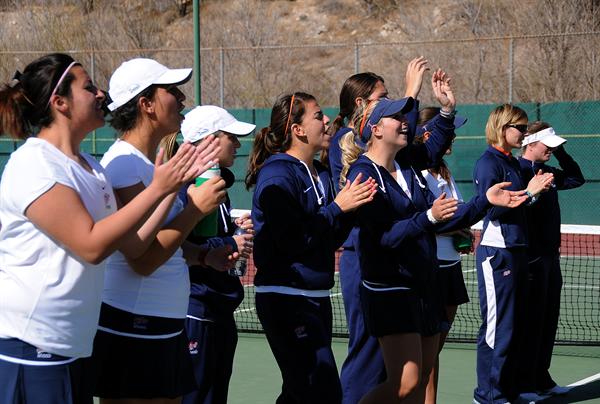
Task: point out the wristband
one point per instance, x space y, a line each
448 115
432 219
532 198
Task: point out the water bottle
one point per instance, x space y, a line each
240 265
208 226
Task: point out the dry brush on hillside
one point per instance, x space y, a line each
254 50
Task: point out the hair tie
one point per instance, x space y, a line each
15 80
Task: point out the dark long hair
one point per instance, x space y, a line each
24 101
276 138
425 115
359 85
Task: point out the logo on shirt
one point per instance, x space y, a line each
140 323
43 355
107 199
308 189
506 273
301 332
193 347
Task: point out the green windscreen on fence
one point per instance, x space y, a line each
578 122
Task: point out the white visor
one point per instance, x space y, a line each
546 136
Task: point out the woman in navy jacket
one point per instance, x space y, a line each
363 367
396 248
545 278
298 226
501 258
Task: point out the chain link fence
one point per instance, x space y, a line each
553 76
534 68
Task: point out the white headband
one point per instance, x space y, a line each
73 63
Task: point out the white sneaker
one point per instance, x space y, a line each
556 390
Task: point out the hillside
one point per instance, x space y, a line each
249 72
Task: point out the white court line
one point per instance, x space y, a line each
564 286
585 381
244 310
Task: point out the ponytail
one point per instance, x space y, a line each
261 150
350 153
24 101
276 138
170 145
13 102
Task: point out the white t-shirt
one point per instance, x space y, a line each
437 185
49 297
166 291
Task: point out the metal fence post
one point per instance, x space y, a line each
222 76
93 77
511 66
356 58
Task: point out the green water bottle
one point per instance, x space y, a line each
207 227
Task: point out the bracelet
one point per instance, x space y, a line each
532 197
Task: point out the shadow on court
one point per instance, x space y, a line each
577 394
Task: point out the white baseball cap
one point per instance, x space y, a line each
546 136
136 75
207 119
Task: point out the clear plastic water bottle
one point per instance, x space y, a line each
240 265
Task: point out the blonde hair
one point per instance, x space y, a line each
169 143
499 118
351 150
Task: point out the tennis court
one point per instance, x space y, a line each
256 378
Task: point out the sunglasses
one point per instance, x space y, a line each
521 128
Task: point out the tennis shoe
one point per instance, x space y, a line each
531 397
556 390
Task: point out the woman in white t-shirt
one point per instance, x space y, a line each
59 222
140 347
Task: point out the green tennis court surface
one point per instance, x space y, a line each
576 360
256 378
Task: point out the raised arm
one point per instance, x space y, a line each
569 175
430 153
